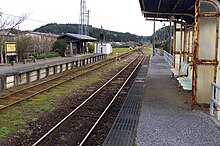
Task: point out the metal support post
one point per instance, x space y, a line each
116 58
154 39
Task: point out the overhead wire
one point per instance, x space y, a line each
26 19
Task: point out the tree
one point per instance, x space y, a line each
8 23
25 45
59 46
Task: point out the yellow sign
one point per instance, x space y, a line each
10 48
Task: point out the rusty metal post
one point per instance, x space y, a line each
170 37
188 45
185 52
154 39
195 53
181 44
216 49
174 45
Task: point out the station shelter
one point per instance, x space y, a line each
195 39
76 43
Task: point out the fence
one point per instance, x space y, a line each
215 101
168 57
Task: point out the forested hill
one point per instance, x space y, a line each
94 32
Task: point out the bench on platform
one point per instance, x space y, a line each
182 71
186 81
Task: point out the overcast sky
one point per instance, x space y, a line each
115 15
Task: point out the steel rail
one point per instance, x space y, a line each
53 86
104 112
64 73
45 136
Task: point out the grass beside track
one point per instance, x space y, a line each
147 50
20 115
119 51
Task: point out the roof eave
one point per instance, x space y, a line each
168 13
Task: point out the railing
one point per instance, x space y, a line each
215 101
168 57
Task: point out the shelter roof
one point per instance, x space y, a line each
78 37
164 9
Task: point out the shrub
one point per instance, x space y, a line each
59 46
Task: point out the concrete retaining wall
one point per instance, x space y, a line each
26 77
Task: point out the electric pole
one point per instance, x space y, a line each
82 19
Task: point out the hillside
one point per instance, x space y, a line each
94 32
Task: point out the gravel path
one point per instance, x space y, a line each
166 120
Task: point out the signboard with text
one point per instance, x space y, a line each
10 48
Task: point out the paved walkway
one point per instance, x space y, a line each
166 120
40 64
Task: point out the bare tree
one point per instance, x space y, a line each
9 23
25 46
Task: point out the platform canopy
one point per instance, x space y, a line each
164 9
79 37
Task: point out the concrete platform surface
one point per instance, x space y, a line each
40 64
165 118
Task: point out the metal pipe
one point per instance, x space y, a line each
207 14
154 40
175 5
174 45
185 52
170 38
157 19
158 8
216 49
211 101
181 42
168 13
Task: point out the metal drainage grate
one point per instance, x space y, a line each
124 128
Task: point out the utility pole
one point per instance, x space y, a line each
82 19
88 15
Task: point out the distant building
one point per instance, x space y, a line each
104 48
41 42
118 43
7 34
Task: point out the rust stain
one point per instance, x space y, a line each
195 53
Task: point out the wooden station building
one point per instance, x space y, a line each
76 43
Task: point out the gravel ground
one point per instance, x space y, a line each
166 118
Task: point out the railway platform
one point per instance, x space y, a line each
12 76
20 67
165 117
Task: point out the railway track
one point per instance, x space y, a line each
48 84
77 127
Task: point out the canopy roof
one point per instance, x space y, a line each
80 37
164 9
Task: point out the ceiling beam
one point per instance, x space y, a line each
190 8
175 5
143 4
158 8
168 13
